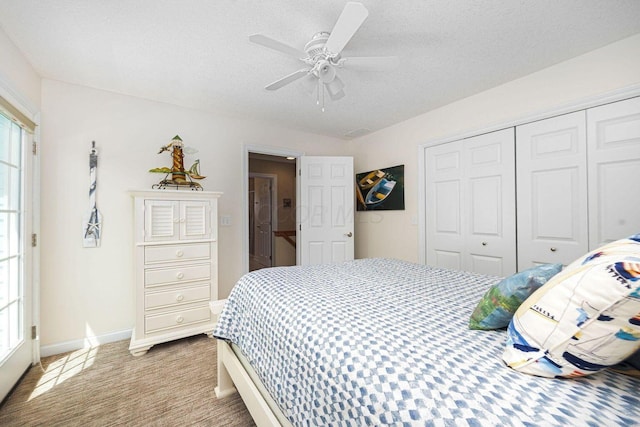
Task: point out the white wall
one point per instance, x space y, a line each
395 233
19 82
87 292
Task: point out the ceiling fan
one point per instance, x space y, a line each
322 56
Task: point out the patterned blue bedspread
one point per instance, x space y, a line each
385 342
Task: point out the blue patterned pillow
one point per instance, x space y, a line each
497 306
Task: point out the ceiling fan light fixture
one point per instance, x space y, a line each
335 89
337 95
326 72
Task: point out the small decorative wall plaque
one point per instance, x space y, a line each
91 229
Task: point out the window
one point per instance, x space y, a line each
11 232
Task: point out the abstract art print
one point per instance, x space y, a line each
380 189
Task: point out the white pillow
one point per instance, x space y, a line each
584 319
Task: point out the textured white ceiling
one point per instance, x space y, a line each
196 53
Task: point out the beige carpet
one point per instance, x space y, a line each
171 385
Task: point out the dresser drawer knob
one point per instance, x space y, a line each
179 253
553 249
179 319
180 275
179 297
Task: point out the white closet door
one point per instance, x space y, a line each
491 213
445 242
614 171
552 190
470 204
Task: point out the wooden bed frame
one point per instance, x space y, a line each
233 377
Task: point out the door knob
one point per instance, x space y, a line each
349 234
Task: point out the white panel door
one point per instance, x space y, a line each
491 191
325 212
470 204
445 241
552 190
613 134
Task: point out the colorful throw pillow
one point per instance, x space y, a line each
584 319
497 306
634 360
630 366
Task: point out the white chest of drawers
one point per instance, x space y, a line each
175 263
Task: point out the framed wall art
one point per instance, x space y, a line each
380 189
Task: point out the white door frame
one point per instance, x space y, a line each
274 203
258 149
31 217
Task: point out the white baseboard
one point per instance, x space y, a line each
50 350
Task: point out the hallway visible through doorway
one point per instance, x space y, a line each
271 211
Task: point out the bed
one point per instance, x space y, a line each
386 342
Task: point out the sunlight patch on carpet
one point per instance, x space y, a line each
63 369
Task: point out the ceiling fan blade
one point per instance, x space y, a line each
287 79
276 45
352 16
373 63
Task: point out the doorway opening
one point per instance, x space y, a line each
270 208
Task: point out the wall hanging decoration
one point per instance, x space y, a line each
380 189
180 178
91 229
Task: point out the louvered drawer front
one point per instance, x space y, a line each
176 296
169 253
177 319
161 276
